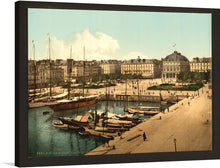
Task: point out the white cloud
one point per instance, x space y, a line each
134 55
98 46
58 48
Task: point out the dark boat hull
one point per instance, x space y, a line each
72 122
72 105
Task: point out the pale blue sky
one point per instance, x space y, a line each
118 34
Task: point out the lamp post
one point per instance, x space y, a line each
174 140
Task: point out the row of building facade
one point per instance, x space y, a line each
58 71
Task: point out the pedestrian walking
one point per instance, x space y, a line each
144 136
113 147
107 142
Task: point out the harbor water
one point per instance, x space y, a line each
45 140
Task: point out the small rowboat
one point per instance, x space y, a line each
144 110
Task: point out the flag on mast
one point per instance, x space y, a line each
48 34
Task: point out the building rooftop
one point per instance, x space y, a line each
109 62
140 61
175 56
204 59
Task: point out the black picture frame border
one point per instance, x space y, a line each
21 105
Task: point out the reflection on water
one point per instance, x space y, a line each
45 140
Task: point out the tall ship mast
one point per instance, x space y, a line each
126 96
50 64
37 95
138 90
76 102
54 96
35 69
106 94
69 76
83 69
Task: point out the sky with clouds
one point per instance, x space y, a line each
117 34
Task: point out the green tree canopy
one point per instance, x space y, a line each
196 77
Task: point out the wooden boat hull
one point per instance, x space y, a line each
72 105
106 135
65 126
135 110
72 122
84 133
60 125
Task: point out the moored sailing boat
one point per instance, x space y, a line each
75 102
78 121
60 96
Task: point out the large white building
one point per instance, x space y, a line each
148 68
110 67
173 64
82 69
201 64
44 74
